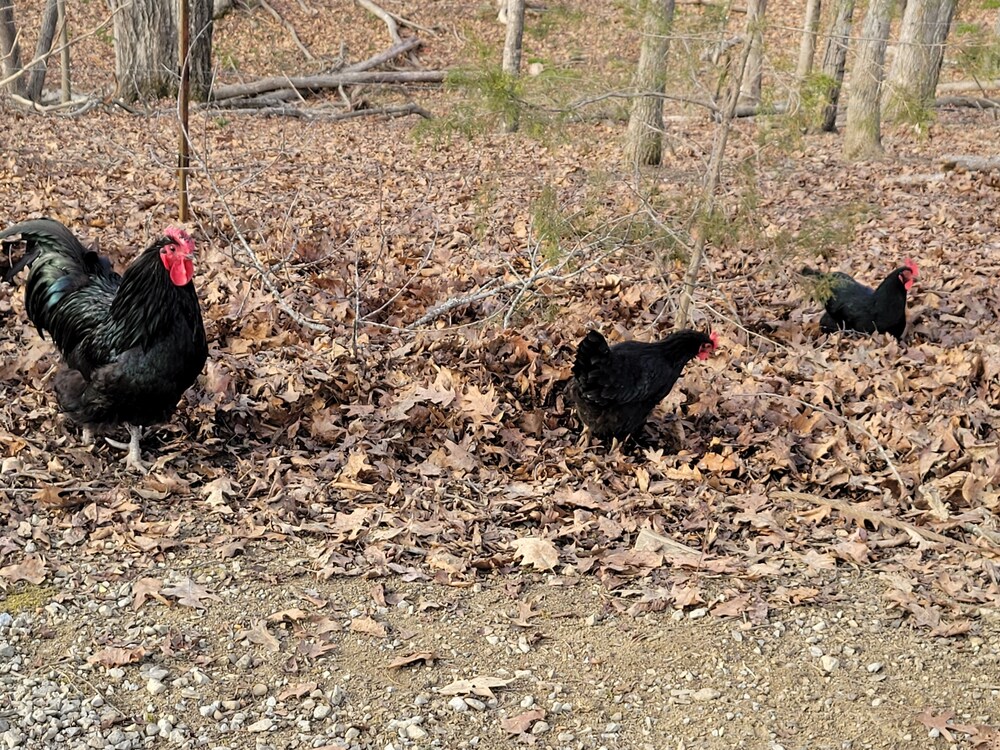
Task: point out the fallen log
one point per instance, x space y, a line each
307 84
952 162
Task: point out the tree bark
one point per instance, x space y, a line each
863 134
916 67
10 50
644 136
146 63
512 58
66 92
36 77
807 47
835 60
750 94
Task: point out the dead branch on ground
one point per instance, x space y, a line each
309 84
974 102
289 28
326 114
959 86
384 16
970 163
863 514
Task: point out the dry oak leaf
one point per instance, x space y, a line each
427 657
537 552
258 633
522 722
115 656
189 593
31 570
297 690
215 494
368 626
482 686
146 587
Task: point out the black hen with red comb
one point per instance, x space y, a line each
616 387
856 307
132 343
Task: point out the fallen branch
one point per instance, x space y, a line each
383 57
328 116
306 84
863 514
289 28
974 102
384 16
970 85
970 163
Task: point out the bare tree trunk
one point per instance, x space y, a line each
835 60
644 136
916 67
66 92
36 78
200 49
863 135
10 50
707 203
512 56
146 62
807 48
750 95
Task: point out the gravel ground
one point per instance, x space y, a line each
280 660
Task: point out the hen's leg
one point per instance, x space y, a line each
88 435
134 458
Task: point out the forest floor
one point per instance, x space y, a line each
373 522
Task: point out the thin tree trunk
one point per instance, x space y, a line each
512 57
707 204
835 60
183 53
863 134
66 92
36 78
200 14
644 136
915 70
807 47
10 50
750 95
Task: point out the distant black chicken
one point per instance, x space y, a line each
616 387
856 307
132 344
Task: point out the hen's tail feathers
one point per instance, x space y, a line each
807 271
590 354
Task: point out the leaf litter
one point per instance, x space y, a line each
450 453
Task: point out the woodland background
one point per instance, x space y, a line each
393 304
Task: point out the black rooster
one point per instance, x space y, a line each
856 307
616 387
132 344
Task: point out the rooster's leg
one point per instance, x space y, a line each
134 458
88 435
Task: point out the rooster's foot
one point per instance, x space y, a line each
134 458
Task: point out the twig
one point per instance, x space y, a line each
836 417
383 57
385 17
871 516
290 29
321 114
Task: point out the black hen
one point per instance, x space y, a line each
856 307
616 387
132 344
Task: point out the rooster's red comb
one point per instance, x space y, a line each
912 265
180 238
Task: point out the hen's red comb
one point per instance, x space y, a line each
180 238
911 264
